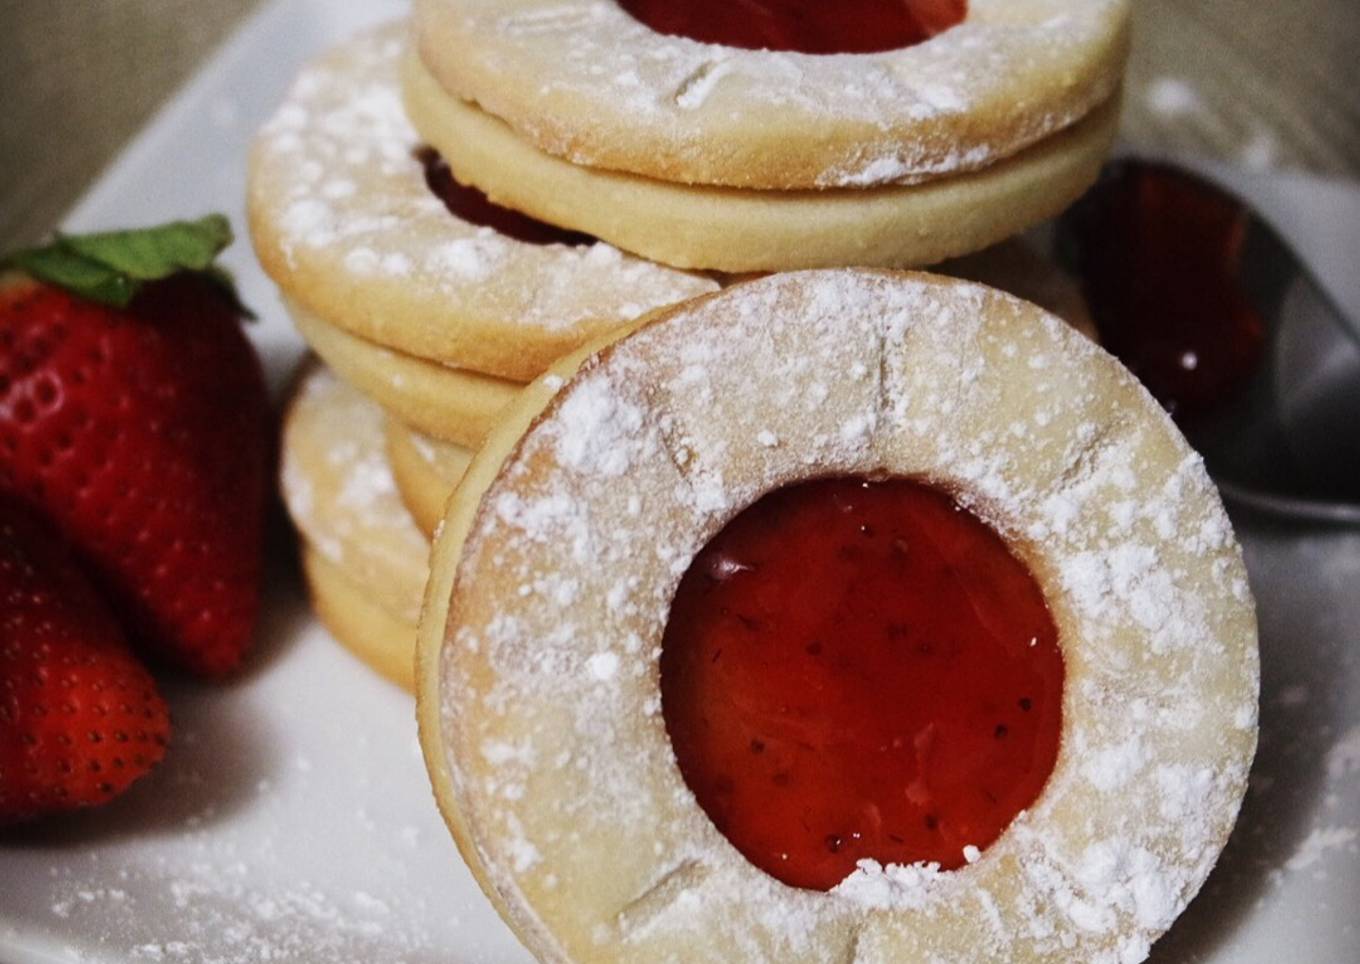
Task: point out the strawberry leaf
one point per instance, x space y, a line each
150 254
66 269
110 267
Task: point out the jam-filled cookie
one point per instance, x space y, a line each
363 226
340 493
841 616
426 471
667 131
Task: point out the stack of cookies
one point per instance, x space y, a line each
943 717
450 205
862 133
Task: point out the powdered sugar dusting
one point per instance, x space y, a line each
651 448
285 825
601 433
336 181
895 887
220 894
341 494
584 80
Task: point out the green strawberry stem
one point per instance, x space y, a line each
110 267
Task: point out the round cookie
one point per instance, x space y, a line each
361 625
426 471
452 404
584 81
537 672
345 223
734 230
341 496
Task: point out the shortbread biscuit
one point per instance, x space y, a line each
537 675
340 493
426 470
584 81
344 222
359 623
733 230
448 403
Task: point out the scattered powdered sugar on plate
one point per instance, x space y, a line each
217 897
234 853
661 438
1321 840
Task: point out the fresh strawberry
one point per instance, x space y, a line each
80 718
133 411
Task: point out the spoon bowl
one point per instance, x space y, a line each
1204 300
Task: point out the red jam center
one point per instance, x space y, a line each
856 670
807 26
475 207
1161 263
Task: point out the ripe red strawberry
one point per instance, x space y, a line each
80 718
133 411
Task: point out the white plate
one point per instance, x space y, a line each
292 819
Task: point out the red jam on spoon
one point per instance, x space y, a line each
1160 258
806 26
475 207
857 669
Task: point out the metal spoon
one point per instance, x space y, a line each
1285 439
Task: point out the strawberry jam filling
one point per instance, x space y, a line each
860 669
806 26
471 205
